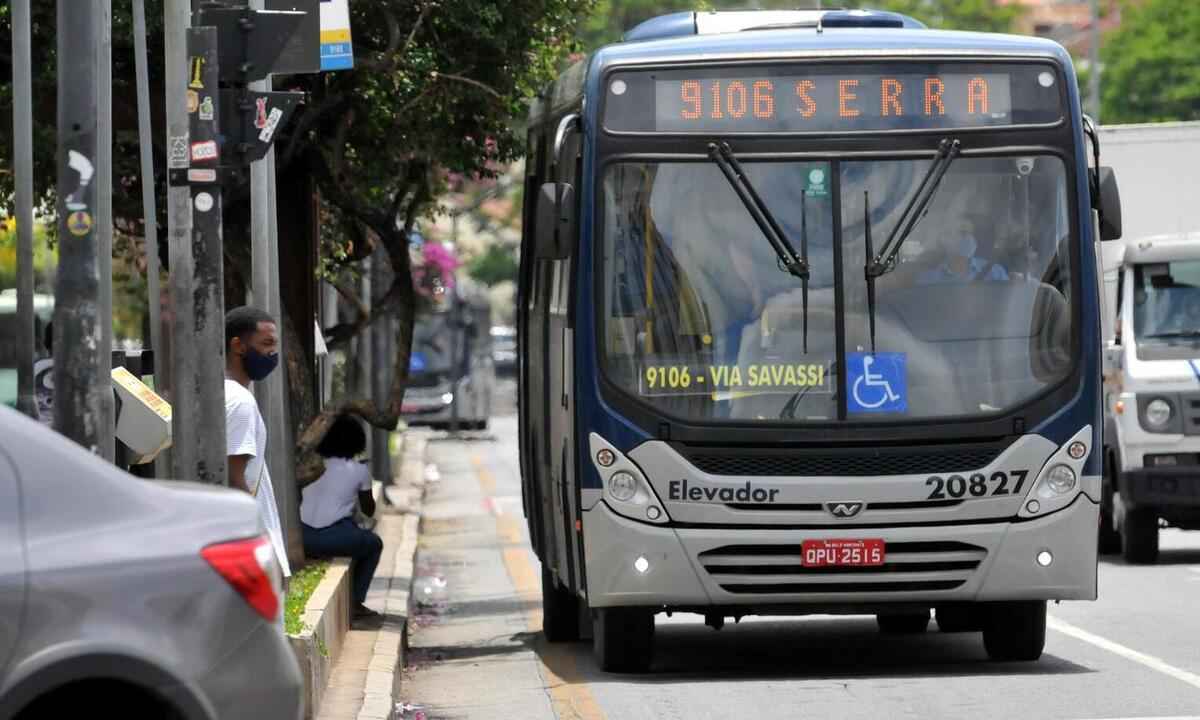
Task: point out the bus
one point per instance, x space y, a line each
809 324
451 376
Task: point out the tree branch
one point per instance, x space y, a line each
469 81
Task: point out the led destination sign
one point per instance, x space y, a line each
832 99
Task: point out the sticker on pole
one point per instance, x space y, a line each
877 382
204 202
206 150
79 223
272 122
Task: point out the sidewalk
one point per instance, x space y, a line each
365 679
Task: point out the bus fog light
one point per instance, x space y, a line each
1060 480
1044 558
653 513
606 457
1077 450
1033 506
641 564
623 486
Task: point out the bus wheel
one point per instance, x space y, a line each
1015 631
963 617
623 639
903 623
560 610
1139 536
1110 539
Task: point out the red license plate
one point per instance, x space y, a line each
821 553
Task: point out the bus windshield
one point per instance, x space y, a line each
700 321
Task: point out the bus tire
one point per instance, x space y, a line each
560 610
623 639
1015 631
903 623
1110 539
1139 536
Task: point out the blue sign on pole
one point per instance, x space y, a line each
877 382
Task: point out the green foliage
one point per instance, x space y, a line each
300 588
45 258
1151 64
613 17
494 265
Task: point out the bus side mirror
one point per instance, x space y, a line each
555 221
1108 203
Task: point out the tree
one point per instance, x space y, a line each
436 87
1151 64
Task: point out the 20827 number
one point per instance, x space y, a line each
976 485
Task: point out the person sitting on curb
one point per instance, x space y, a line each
327 509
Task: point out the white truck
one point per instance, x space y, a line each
1152 334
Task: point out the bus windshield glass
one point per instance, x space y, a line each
974 317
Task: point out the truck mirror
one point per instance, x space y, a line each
1109 204
555 221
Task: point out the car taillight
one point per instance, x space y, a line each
250 567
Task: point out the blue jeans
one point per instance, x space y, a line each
345 539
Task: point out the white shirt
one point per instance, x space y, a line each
246 434
334 495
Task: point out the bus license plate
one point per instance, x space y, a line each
821 553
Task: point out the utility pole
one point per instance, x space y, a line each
23 177
382 343
1094 62
173 362
204 456
104 226
77 382
149 211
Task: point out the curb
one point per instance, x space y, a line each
382 687
326 621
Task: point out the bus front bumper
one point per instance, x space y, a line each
634 564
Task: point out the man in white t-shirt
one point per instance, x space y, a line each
251 353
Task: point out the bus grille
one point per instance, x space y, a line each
856 464
908 567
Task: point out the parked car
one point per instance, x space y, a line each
504 349
162 598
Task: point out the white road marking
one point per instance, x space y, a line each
1179 717
1128 653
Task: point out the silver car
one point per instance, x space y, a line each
162 598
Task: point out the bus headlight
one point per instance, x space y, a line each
1059 481
623 486
1158 413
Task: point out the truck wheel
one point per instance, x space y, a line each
623 639
1015 631
963 617
903 623
1139 536
1110 539
560 610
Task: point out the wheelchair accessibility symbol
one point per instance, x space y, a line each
877 382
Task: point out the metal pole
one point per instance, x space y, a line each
1094 63
149 211
203 419
176 365
23 177
104 226
77 403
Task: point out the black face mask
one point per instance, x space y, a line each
257 365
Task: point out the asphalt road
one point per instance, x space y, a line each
477 653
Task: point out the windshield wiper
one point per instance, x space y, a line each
914 212
796 264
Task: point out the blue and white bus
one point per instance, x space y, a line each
809 318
